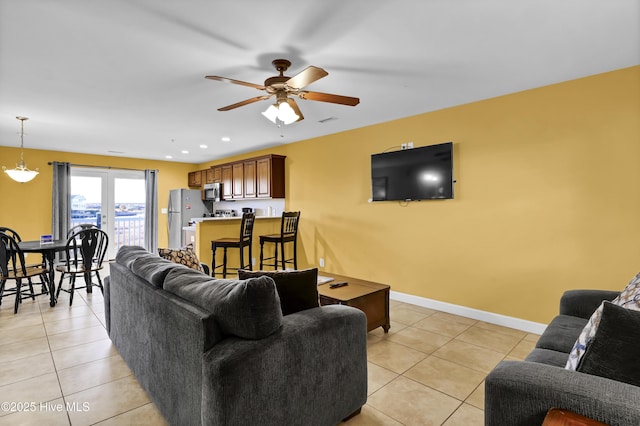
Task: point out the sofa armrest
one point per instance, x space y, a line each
519 393
582 303
312 371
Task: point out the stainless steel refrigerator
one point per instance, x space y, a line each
184 204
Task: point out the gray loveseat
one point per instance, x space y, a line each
219 352
519 393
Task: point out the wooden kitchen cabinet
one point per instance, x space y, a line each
195 179
227 181
237 184
217 174
214 174
259 177
250 179
270 176
209 174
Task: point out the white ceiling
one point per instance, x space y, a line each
126 77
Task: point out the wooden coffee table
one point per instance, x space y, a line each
559 417
371 298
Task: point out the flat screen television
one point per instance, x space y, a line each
424 173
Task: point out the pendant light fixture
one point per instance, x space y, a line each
21 173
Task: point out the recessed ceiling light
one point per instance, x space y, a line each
226 139
184 151
168 156
204 146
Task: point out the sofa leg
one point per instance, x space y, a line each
350 416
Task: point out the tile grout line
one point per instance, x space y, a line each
53 361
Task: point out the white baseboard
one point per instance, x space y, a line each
490 317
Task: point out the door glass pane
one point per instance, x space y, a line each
86 200
129 201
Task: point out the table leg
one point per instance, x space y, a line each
50 257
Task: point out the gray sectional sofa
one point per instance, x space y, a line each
220 352
519 393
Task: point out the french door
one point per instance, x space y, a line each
113 200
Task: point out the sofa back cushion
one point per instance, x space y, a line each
127 254
298 290
148 266
152 268
245 308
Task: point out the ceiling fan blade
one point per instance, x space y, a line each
327 97
245 102
292 103
230 80
306 77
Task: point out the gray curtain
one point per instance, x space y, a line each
61 209
151 210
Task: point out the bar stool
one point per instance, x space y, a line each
246 236
288 233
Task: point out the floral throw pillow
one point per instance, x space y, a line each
185 256
629 298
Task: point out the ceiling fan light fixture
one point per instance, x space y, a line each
281 111
286 114
271 113
21 173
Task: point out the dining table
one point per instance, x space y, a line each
48 251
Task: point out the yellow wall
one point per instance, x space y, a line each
27 207
547 198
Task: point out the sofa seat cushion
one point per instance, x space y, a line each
245 308
561 333
298 290
547 356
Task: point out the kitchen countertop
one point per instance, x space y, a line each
207 219
202 219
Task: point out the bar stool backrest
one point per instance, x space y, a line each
246 228
289 224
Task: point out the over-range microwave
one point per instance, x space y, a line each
212 191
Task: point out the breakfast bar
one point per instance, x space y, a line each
211 228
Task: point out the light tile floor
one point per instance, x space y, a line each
58 366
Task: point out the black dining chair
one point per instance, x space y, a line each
16 236
84 256
42 264
77 228
80 227
14 268
245 239
288 234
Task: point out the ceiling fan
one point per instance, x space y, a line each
286 109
